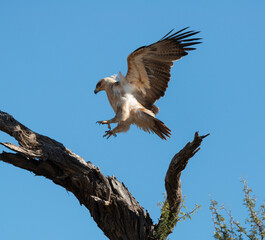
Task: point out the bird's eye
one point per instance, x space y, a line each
98 85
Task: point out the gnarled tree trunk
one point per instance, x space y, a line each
110 203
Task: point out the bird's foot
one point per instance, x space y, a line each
109 133
104 122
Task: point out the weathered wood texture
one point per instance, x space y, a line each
110 203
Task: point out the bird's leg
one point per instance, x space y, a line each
122 127
113 120
116 119
104 122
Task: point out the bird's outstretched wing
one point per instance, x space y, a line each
149 66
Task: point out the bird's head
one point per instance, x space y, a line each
101 85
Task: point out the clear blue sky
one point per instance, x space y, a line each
52 53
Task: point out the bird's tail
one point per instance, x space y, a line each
151 124
160 129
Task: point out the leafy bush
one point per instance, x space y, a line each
231 229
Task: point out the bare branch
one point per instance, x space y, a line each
173 183
110 203
105 197
19 161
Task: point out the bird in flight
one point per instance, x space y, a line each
132 97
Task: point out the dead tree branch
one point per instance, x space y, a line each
110 203
173 184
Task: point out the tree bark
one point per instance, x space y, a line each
110 203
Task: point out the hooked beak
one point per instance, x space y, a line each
95 91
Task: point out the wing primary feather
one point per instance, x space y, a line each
189 44
191 39
166 35
174 34
185 35
189 49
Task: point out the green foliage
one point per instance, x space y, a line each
168 220
184 213
232 229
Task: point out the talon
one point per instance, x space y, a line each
104 122
100 122
109 133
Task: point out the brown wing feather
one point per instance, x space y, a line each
149 66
